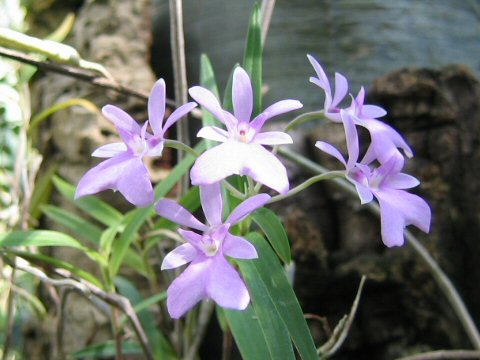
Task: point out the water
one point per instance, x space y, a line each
362 39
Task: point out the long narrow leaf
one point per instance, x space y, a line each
248 334
207 80
267 270
106 350
273 229
38 238
253 57
80 227
91 205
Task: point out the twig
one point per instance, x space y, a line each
440 277
177 42
77 73
444 354
206 310
10 318
87 289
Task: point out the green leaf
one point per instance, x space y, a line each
266 278
38 238
252 60
42 260
106 350
227 94
41 191
47 238
137 217
80 227
268 221
245 327
207 80
91 205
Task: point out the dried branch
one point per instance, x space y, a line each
89 76
444 355
87 289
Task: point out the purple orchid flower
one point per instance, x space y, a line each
124 170
387 183
385 141
209 275
241 151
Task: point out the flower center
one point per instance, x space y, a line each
139 146
209 245
244 133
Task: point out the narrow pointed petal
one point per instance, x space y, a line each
155 146
188 289
352 139
262 166
170 210
401 181
125 173
341 89
121 119
246 207
192 237
177 115
218 163
385 139
373 111
364 193
110 150
242 95
213 133
206 98
322 77
225 286
179 256
238 248
273 138
280 107
156 106
331 150
399 209
211 200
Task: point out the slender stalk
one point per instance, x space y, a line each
206 311
326 176
440 277
10 318
116 334
177 41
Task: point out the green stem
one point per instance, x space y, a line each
307 183
181 146
440 277
303 118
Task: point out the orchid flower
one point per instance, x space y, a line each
241 151
209 274
386 183
124 170
384 139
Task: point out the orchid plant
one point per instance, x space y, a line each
233 255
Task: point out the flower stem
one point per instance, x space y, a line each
303 118
307 183
439 276
180 146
